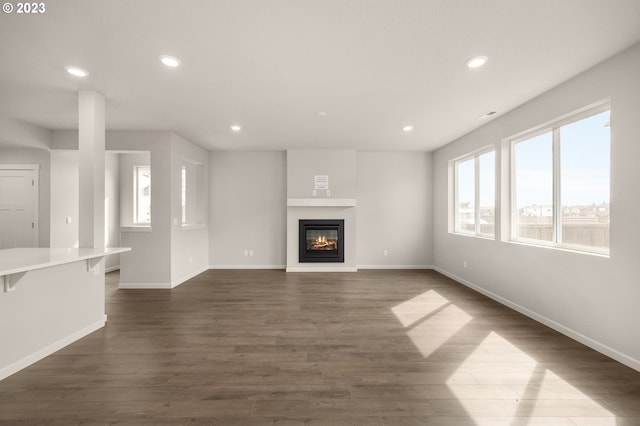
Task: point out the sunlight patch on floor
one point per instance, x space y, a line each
434 331
413 310
539 392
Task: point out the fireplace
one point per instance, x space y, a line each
321 240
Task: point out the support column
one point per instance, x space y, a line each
91 146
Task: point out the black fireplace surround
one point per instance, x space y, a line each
321 240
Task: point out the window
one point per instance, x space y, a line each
475 194
560 188
142 195
193 193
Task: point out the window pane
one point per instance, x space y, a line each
585 171
184 194
142 193
534 187
465 195
487 189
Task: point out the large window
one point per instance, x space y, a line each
141 195
560 188
475 194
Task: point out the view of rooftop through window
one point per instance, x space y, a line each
475 186
578 213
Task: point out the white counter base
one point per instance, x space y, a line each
51 298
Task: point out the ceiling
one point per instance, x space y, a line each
270 66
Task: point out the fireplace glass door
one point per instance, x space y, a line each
321 240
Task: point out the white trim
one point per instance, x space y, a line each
190 161
247 266
111 269
569 332
321 202
395 266
138 228
190 226
328 269
48 350
144 286
176 283
34 167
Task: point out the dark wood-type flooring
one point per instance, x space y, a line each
276 348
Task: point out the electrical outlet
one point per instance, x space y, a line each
246 252
464 264
385 252
190 259
68 220
315 192
328 193
251 252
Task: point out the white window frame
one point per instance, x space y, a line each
553 127
193 208
475 156
135 195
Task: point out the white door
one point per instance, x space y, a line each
18 207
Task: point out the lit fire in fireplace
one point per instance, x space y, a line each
321 243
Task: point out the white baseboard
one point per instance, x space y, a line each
247 266
111 269
176 283
569 332
327 269
144 286
395 266
44 352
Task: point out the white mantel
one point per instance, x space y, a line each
321 202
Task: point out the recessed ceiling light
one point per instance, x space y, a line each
488 115
321 114
236 128
77 71
170 61
476 61
407 129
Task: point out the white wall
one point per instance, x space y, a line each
248 209
394 209
148 264
591 298
163 255
64 198
64 202
41 157
18 134
112 208
304 164
189 244
248 206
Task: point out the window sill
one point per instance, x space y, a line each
481 236
188 226
561 247
135 228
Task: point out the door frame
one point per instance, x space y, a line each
35 168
